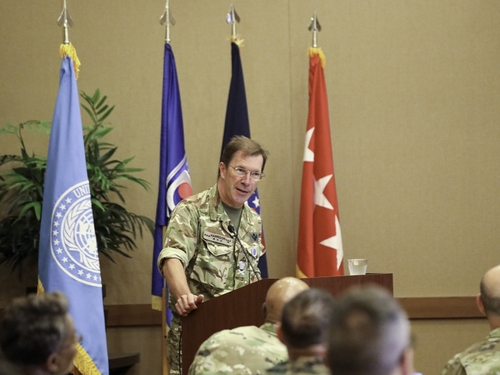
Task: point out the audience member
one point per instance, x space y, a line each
369 335
304 331
249 349
6 368
37 335
482 357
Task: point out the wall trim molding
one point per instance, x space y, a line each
441 307
416 308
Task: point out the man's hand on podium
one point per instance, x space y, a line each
187 303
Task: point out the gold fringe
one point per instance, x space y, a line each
318 51
156 303
84 363
39 288
69 50
299 273
237 39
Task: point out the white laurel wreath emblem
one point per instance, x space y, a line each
73 240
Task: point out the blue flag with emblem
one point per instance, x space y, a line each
174 181
68 258
237 123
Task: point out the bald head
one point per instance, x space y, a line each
280 293
490 292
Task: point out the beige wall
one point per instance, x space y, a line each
413 91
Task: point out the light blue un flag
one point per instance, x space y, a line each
68 259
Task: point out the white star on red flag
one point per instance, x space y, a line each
320 251
319 192
335 242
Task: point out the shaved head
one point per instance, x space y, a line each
490 291
280 293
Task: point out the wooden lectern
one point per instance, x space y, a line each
243 307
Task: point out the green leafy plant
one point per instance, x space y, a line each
21 191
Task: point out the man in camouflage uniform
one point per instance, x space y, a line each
249 349
213 240
369 335
304 331
483 357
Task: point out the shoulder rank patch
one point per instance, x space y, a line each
254 236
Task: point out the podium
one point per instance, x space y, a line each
243 307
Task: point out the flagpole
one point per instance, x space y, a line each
320 250
67 49
168 20
237 121
233 18
314 26
66 21
164 301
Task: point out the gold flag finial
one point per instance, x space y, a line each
66 48
314 26
65 21
168 20
233 18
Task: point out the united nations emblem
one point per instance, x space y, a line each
73 242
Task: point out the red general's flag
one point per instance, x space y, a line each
320 250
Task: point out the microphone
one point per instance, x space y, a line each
233 233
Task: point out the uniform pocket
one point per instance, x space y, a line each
213 266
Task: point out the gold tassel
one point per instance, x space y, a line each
39 288
236 39
299 273
156 303
69 50
318 51
84 363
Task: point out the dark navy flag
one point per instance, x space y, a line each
68 257
175 182
237 123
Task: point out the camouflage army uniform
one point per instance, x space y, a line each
300 366
243 350
198 236
481 358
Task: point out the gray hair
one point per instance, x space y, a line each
369 333
33 328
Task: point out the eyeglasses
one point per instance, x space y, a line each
241 172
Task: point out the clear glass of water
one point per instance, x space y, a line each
357 266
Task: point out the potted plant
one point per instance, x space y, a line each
21 191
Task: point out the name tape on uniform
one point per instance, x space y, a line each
223 240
